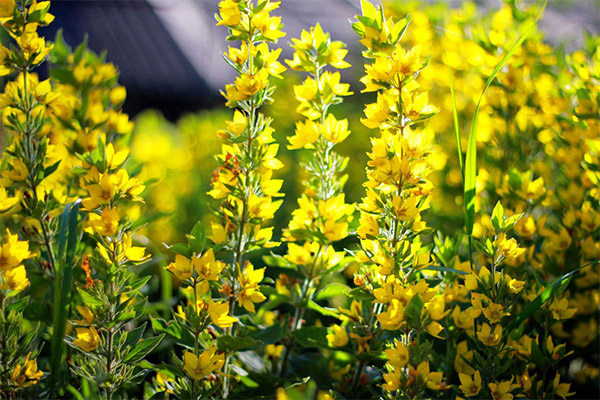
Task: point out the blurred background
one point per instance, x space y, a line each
169 51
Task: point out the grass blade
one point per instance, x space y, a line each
471 159
456 126
68 235
556 286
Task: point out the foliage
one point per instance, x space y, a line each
411 272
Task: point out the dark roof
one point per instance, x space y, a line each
153 68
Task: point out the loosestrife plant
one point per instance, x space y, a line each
383 298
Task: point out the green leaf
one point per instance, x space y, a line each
413 310
142 349
88 299
228 343
37 311
270 335
139 283
498 218
79 52
359 293
197 238
60 51
63 75
557 286
331 290
180 248
471 160
312 336
326 311
275 260
444 269
134 335
19 305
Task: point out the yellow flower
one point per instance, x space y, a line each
162 381
561 389
87 339
207 267
219 233
470 386
433 380
335 130
6 8
13 252
133 253
182 267
304 136
392 380
103 191
508 247
494 313
501 390
87 315
269 27
302 255
250 292
262 207
26 374
219 314
369 226
229 11
105 224
5 201
435 308
487 337
393 318
15 279
337 336
203 365
397 356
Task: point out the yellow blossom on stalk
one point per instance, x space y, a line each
6 202
306 134
219 233
397 356
26 374
433 380
15 279
6 8
393 318
561 389
229 11
87 339
494 313
219 314
269 27
508 247
392 380
489 337
199 367
87 315
335 130
207 267
250 290
470 386
337 336
501 390
302 255
105 224
13 252
182 268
